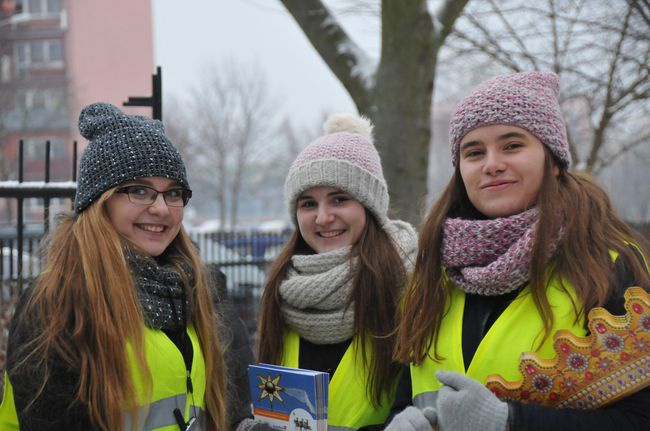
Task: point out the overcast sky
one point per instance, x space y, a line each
190 35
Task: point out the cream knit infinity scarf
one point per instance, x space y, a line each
318 286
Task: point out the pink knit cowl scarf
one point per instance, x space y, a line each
489 257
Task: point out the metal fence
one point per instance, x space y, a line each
243 257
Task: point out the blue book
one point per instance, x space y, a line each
289 399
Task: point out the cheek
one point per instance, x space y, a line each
302 222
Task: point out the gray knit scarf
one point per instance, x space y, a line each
318 286
160 290
490 257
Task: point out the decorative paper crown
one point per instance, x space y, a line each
613 361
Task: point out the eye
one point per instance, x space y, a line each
307 203
513 145
174 193
469 154
138 190
340 199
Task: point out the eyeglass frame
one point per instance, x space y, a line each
186 195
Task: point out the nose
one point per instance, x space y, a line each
493 163
159 205
324 215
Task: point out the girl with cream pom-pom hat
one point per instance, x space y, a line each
332 294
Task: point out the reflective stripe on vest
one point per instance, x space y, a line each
349 407
168 389
518 329
156 416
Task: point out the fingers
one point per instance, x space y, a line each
431 415
454 380
410 419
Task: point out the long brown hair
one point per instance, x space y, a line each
86 309
571 201
378 280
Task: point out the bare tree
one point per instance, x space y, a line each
599 49
228 116
396 93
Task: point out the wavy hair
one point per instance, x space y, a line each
86 308
570 200
378 279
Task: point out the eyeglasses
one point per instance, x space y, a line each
144 195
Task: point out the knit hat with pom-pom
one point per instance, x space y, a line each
344 158
121 148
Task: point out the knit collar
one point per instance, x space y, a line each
316 290
489 257
160 289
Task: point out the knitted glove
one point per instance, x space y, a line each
250 425
465 404
413 419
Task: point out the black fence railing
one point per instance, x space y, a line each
243 257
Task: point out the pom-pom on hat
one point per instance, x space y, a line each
528 100
344 158
122 148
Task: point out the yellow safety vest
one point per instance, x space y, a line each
518 329
349 407
168 386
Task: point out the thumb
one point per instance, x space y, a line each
431 415
453 379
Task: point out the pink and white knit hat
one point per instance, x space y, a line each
528 100
344 158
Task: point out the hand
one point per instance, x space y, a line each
413 419
251 425
465 404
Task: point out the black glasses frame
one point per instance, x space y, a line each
186 194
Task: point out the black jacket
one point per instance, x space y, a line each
57 408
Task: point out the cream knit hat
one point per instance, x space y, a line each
344 158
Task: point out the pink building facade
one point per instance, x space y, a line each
57 56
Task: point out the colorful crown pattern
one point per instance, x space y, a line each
613 361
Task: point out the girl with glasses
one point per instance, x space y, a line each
118 332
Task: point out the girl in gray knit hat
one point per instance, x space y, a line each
118 331
514 257
331 297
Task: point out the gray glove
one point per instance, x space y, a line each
251 425
465 404
413 419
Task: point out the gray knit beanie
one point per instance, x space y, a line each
344 158
122 148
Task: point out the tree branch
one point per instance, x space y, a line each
445 18
341 54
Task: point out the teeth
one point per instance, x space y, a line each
331 233
152 228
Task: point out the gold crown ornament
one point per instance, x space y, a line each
613 361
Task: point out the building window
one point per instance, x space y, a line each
34 149
38 54
38 7
49 99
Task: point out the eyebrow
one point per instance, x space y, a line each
500 138
511 135
149 183
334 193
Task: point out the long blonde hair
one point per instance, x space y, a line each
86 309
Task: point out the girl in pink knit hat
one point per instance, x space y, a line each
331 299
516 249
